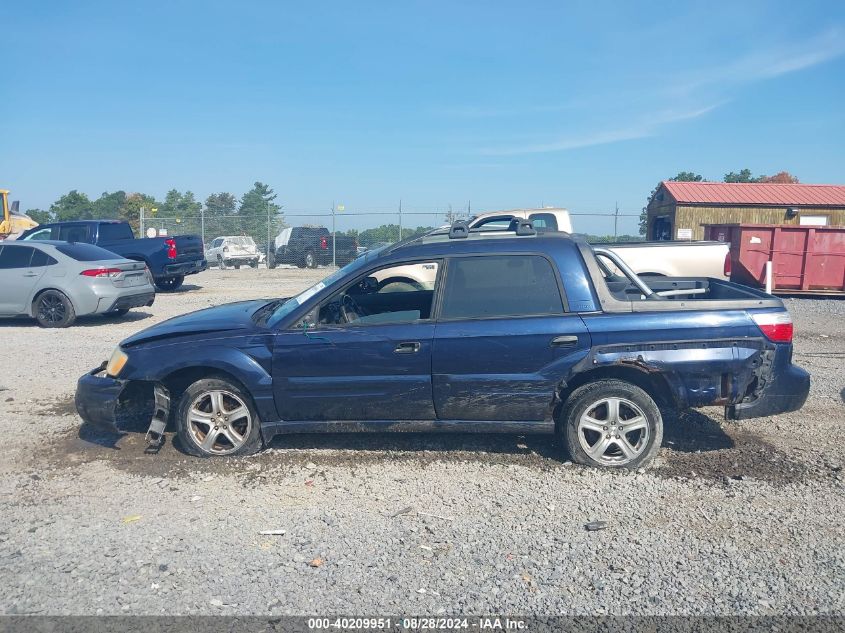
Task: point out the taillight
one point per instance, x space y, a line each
777 326
101 272
727 268
324 242
170 243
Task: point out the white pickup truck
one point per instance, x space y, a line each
657 259
667 259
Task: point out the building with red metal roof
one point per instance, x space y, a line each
678 210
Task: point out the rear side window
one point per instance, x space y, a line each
74 233
497 286
40 258
114 232
86 252
43 234
15 256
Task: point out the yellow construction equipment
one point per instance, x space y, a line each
13 222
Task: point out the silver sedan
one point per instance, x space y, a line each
54 282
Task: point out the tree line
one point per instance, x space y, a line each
743 175
221 213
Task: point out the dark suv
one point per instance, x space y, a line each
312 246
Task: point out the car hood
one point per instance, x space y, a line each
224 318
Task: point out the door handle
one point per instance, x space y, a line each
30 274
564 341
410 347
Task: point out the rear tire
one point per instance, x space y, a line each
611 424
168 284
253 263
53 309
220 263
217 417
310 261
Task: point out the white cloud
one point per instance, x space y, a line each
643 129
709 86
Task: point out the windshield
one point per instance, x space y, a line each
284 309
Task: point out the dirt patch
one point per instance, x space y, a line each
54 408
694 447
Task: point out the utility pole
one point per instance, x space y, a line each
267 205
400 219
615 220
141 223
202 225
334 243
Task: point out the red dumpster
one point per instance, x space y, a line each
805 259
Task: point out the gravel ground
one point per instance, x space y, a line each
733 518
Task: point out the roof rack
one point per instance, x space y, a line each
460 230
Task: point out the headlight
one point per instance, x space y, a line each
116 362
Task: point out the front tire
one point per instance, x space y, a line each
220 263
310 260
611 424
217 417
170 283
53 309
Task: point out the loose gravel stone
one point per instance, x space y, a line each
733 518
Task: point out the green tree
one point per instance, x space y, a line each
130 210
179 213
72 206
220 211
387 233
108 205
683 176
782 177
40 215
744 175
255 206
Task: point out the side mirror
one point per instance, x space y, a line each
368 285
308 322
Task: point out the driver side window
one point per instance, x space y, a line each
397 294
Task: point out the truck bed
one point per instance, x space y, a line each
624 293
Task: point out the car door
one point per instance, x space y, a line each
503 340
18 277
364 355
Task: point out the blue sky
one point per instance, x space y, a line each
578 104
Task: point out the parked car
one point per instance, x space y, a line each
656 259
55 282
524 332
233 250
169 259
312 246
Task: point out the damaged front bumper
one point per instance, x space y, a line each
107 402
97 397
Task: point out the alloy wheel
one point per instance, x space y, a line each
51 309
219 422
613 431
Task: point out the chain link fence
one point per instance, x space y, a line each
369 228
